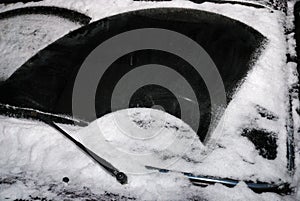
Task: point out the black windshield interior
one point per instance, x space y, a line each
45 82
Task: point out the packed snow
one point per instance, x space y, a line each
35 158
39 157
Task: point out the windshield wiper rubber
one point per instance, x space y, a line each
203 181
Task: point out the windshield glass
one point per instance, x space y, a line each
46 81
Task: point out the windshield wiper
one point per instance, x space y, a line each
49 119
203 181
120 176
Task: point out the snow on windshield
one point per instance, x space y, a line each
41 163
34 158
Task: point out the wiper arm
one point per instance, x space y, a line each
49 119
120 176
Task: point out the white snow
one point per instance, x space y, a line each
24 36
293 83
39 157
40 153
142 137
106 8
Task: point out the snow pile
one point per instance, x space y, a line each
150 137
133 138
34 159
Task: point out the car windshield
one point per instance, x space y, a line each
195 89
46 81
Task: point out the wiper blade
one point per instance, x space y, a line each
201 180
120 176
29 113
